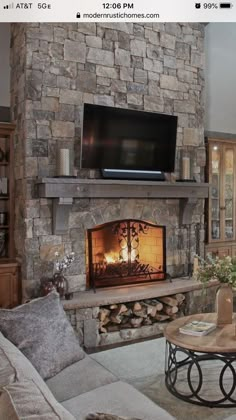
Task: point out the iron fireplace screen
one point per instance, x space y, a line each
124 252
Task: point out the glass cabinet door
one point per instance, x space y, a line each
227 207
215 163
4 195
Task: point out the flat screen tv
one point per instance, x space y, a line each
127 140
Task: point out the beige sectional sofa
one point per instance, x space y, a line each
81 388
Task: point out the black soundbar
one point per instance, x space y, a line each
130 174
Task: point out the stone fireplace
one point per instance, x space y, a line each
125 252
155 67
95 210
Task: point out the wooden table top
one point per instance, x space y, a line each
221 340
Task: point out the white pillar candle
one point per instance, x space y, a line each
185 168
195 264
63 168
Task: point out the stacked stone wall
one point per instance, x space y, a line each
56 68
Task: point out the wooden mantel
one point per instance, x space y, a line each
63 190
113 188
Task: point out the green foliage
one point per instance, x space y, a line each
215 268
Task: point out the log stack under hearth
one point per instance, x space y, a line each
136 314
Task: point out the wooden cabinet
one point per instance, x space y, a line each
9 283
219 250
222 199
10 289
6 191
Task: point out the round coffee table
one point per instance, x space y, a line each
202 370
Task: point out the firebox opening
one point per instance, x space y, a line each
124 252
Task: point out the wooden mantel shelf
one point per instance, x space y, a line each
109 188
63 190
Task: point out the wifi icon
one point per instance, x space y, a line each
9 6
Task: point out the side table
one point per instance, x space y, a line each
201 370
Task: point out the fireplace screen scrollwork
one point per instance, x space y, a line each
124 252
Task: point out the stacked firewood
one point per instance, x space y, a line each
136 314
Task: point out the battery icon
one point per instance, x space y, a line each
225 5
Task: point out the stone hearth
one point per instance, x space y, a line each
84 309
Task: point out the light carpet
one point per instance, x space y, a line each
135 360
142 365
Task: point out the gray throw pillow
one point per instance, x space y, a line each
41 330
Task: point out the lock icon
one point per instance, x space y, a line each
78 15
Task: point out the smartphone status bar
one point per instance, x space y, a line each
117 11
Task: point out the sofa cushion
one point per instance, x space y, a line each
41 330
20 370
17 366
118 398
7 371
78 378
25 400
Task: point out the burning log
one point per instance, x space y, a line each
141 268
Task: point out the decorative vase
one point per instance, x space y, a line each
60 283
224 304
47 286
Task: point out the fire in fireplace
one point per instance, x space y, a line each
125 252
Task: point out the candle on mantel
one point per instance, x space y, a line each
63 162
195 264
185 168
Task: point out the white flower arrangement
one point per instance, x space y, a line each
64 263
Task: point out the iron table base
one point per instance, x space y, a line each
207 379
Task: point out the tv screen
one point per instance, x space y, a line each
126 139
